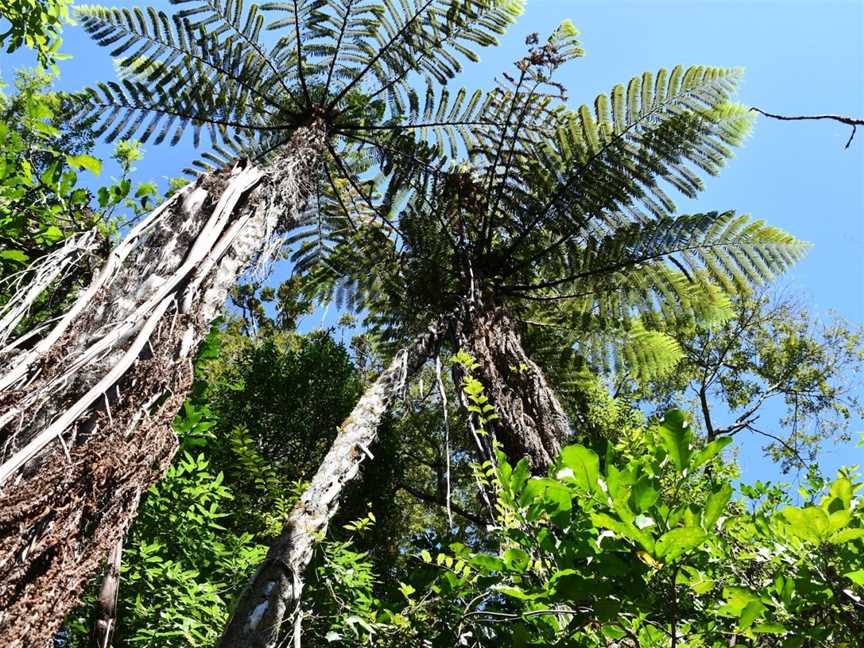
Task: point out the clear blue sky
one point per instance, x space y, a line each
801 57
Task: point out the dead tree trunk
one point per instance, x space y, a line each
262 616
85 413
531 421
105 609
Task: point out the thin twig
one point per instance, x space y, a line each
446 434
843 119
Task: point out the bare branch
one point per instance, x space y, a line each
843 119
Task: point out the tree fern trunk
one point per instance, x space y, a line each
531 421
261 618
86 412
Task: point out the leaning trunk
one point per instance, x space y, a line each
261 616
531 421
85 412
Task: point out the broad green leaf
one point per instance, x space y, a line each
752 611
516 560
51 235
550 496
856 576
674 543
16 256
846 535
842 489
92 164
518 593
702 586
715 505
675 437
809 523
571 585
839 519
710 451
51 174
741 603
624 529
644 494
520 475
585 465
768 628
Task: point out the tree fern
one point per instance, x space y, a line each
352 63
580 225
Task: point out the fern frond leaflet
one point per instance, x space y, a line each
381 51
671 98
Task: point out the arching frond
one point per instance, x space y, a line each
725 248
614 162
351 63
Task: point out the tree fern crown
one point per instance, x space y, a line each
219 67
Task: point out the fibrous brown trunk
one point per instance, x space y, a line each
105 609
262 617
86 412
531 421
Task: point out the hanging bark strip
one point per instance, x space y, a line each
531 421
31 283
86 412
263 613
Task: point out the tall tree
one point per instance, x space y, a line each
576 235
771 353
86 407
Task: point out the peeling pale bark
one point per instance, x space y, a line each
86 412
531 421
263 616
28 285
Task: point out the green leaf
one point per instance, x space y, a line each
846 535
51 235
486 562
710 451
645 493
702 586
752 611
742 604
675 438
715 505
768 628
520 475
842 489
584 467
856 576
678 541
92 164
811 523
516 560
552 497
517 593
16 256
624 529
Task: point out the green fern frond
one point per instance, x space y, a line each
726 248
623 348
612 163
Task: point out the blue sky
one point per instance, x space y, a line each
800 58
